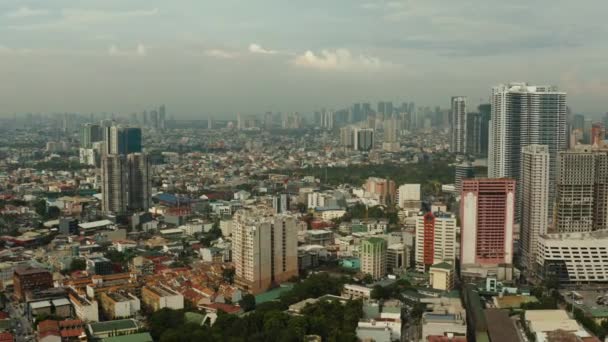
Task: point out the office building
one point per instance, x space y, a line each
523 115
487 209
26 279
435 240
397 257
264 248
363 139
391 143
582 190
372 253
458 125
534 201
574 257
408 197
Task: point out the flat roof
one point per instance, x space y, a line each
121 324
95 224
41 304
60 302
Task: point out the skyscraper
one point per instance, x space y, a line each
485 113
435 240
122 140
264 248
373 257
114 184
89 134
139 195
535 201
487 210
523 115
458 125
364 139
474 133
582 190
161 117
347 137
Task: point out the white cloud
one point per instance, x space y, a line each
340 59
140 50
222 54
255 48
24 12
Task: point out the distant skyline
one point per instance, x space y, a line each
218 58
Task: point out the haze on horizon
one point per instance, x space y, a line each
218 58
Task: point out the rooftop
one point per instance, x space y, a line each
108 326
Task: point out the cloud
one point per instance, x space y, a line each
139 51
340 59
74 18
221 54
255 48
24 12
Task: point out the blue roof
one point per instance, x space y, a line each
172 199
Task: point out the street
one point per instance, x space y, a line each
22 328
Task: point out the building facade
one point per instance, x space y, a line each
523 115
264 248
435 240
534 202
487 210
30 279
373 257
458 125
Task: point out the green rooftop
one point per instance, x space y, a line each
109 326
141 337
273 294
376 240
443 265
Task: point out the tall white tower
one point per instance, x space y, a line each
535 200
458 125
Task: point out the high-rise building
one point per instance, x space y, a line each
280 203
487 215
582 190
474 134
139 195
408 197
264 248
458 125
364 139
122 140
383 189
485 112
161 117
523 115
373 252
89 134
125 183
347 137
463 171
154 118
391 126
435 240
114 183
597 134
534 202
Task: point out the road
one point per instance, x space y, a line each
22 327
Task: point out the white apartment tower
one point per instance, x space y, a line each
264 248
523 115
458 125
535 201
435 240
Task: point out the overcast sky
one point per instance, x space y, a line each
220 57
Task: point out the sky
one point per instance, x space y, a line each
221 57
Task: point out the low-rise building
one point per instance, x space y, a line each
85 309
441 276
160 297
113 328
355 291
30 279
119 304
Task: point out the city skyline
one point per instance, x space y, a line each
328 55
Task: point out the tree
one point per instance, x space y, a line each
248 302
78 264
